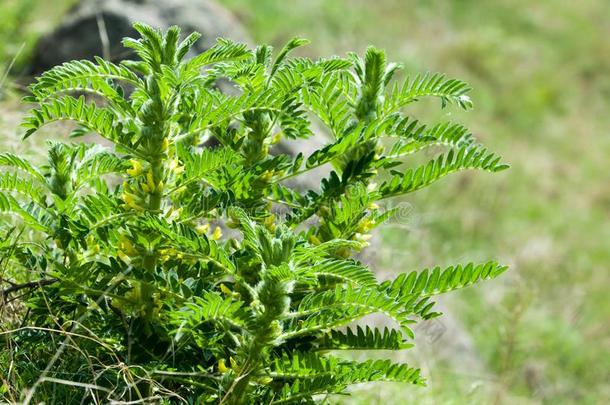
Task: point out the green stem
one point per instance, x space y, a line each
157 167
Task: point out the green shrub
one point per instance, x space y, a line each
134 291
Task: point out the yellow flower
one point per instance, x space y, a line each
217 234
222 366
234 365
136 168
151 181
365 225
203 228
132 201
225 289
276 138
165 144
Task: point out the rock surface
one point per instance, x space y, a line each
96 27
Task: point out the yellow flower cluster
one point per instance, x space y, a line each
91 245
150 186
205 227
170 253
365 225
362 235
222 367
132 200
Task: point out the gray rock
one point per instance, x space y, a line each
96 27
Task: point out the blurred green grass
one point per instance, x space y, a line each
541 89
21 23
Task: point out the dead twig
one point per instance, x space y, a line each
23 286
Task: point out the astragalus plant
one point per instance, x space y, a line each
178 263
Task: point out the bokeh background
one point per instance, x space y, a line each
541 77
